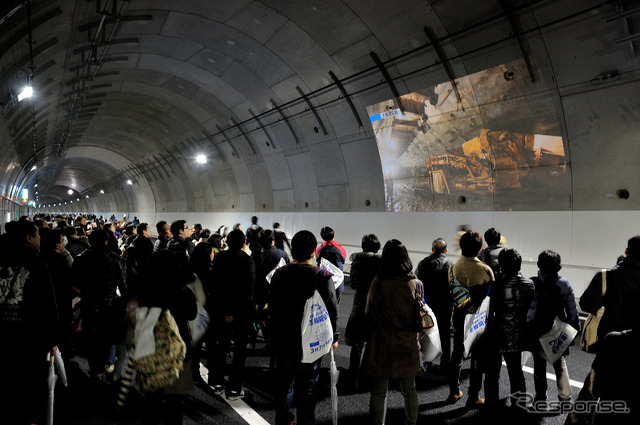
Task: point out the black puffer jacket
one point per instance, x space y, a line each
511 297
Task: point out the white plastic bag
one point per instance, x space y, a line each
557 340
281 263
475 325
430 345
146 319
199 325
317 332
337 274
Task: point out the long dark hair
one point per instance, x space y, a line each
395 260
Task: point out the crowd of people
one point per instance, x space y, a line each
61 277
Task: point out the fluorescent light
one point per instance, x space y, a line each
201 159
27 92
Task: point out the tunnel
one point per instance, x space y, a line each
405 119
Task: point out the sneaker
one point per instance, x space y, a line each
109 368
475 403
235 394
218 388
453 397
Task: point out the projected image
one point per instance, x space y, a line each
486 143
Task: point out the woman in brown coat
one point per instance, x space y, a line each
392 350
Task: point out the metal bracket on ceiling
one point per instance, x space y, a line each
158 166
519 39
444 62
166 161
209 137
262 127
388 79
244 135
629 37
346 97
286 120
311 107
233 148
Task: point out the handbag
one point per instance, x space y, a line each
422 319
430 345
557 340
589 337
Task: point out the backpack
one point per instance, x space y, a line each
159 366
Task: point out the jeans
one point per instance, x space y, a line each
457 357
540 377
294 378
378 400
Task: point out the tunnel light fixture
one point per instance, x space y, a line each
86 196
25 93
70 192
201 159
102 191
35 185
129 182
33 168
78 199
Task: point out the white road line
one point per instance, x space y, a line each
247 413
550 376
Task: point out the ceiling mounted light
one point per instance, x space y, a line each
35 185
33 168
87 196
201 159
129 182
70 192
25 93
102 191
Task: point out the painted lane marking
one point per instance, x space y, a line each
247 413
550 376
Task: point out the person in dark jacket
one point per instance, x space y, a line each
620 301
333 252
164 234
51 247
365 266
270 258
28 322
433 273
163 284
506 337
74 245
291 286
180 242
553 298
253 239
100 274
280 237
232 309
490 254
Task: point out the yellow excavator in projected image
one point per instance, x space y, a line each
496 160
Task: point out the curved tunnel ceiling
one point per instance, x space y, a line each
276 95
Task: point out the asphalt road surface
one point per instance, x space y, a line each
86 403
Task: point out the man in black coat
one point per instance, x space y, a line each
433 273
232 311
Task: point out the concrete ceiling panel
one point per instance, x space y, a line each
219 10
306 57
283 200
279 174
242 175
247 83
333 23
602 135
305 185
212 60
262 188
230 42
202 78
257 21
334 198
329 164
